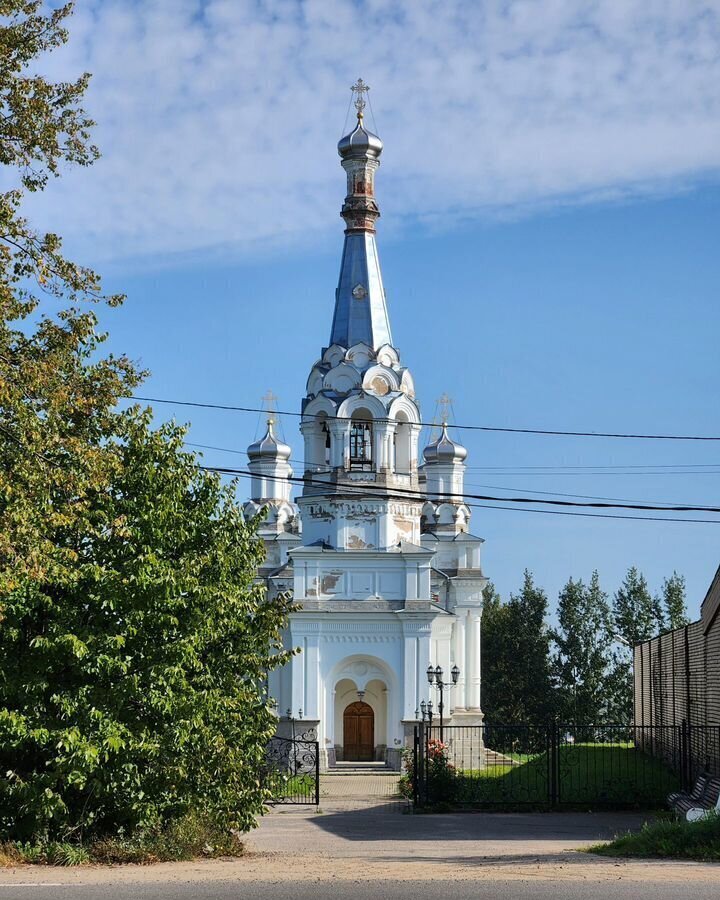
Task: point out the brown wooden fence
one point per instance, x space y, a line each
677 680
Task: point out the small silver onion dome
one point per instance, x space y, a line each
269 447
444 449
360 143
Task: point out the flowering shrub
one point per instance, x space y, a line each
439 773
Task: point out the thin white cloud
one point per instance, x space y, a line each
218 120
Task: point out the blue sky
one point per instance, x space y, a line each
551 211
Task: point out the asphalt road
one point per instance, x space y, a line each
407 890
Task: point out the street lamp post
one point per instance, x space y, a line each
435 679
427 711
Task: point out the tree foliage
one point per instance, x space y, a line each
582 650
673 601
516 673
636 616
582 669
134 642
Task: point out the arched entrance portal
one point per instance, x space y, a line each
358 732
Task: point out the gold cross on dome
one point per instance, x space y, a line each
360 89
269 401
444 407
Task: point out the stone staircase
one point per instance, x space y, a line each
360 768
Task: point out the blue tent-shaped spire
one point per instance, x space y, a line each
360 309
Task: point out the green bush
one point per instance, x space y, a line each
190 837
132 691
440 778
667 839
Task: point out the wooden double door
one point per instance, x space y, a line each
359 732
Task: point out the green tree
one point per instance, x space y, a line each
582 649
494 657
636 617
517 687
134 642
673 601
635 612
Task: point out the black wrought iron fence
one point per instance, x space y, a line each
292 771
558 764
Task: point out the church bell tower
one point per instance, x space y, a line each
384 573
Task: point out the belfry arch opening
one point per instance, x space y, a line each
317 444
402 445
361 440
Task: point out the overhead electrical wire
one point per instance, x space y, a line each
400 493
497 487
365 491
545 431
502 471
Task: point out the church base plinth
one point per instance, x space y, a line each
465 742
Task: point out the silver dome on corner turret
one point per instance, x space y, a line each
269 447
444 449
360 143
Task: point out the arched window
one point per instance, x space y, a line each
326 433
361 441
402 445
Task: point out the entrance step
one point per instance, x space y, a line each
360 768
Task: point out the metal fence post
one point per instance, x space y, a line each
426 754
317 773
416 765
420 762
684 756
554 742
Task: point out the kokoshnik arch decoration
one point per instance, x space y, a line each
384 584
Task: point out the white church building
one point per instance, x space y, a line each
376 549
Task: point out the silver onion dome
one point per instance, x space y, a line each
360 143
269 447
444 449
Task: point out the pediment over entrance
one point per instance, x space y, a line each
361 672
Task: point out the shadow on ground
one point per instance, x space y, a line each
380 823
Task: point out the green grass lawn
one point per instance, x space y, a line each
301 787
589 775
667 840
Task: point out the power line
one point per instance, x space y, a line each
399 493
301 462
545 431
600 466
532 471
363 491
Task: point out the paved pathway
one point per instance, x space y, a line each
371 788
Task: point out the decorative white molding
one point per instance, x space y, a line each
360 638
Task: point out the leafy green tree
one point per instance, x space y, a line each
637 616
673 601
635 612
50 410
582 650
494 658
134 693
134 642
517 687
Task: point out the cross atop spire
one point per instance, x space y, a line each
359 89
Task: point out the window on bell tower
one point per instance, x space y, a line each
361 440
326 434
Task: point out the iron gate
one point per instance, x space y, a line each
292 770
